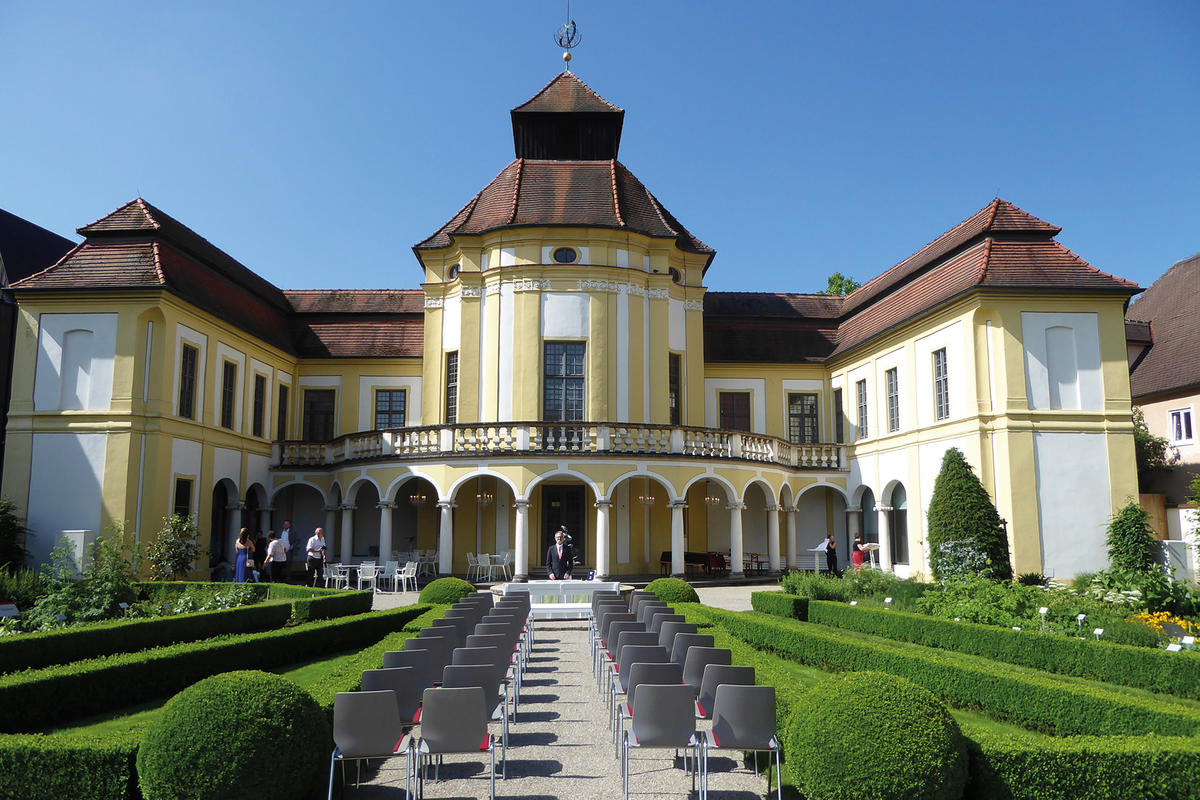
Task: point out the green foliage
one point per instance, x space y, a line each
1033 579
1081 582
22 587
815 585
1131 544
446 591
1151 453
960 511
66 692
1133 590
174 549
244 734
673 590
96 595
37 767
780 604
12 537
1039 703
840 284
916 749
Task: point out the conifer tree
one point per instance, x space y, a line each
961 512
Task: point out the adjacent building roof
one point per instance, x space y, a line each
769 327
380 323
1172 362
26 248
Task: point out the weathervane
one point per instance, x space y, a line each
568 37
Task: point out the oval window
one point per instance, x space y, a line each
675 276
452 273
565 255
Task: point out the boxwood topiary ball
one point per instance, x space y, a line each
673 590
873 735
236 735
446 590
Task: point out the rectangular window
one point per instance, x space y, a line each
1181 426
452 388
735 411
941 386
183 497
390 407
282 414
228 391
860 396
675 387
802 419
188 357
260 403
839 418
318 415
893 399
563 381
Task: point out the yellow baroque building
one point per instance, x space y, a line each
563 364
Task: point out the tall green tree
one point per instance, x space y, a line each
961 513
12 537
1131 544
840 284
1153 453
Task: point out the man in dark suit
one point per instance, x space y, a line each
560 557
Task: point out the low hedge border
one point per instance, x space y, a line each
780 604
54 766
1031 701
37 650
79 689
1138 667
1032 767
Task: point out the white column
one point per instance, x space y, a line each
885 537
793 557
736 552
677 545
385 530
347 549
264 520
330 527
602 525
233 526
446 538
521 568
773 537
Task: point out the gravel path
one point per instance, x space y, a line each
561 746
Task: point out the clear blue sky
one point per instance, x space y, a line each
316 142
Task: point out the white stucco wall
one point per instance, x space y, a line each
1073 504
65 487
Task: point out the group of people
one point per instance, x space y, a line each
858 555
269 557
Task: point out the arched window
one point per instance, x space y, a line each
870 520
76 370
1062 367
898 525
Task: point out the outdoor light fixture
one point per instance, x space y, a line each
646 498
1188 641
1043 611
1079 619
853 602
1098 632
483 497
887 601
711 499
1174 647
416 498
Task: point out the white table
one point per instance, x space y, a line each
560 599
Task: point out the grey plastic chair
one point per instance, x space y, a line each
716 675
660 618
403 682
697 660
458 676
595 627
417 659
439 649
640 674
668 631
453 721
454 630
635 636
664 720
743 719
368 725
639 596
650 607
604 654
685 640
627 656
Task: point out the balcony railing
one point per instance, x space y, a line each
542 438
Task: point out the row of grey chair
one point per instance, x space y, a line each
671 676
442 681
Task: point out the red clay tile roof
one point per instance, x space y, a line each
597 194
567 93
769 327
1170 306
356 301
371 323
1138 332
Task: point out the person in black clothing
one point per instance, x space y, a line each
560 557
831 556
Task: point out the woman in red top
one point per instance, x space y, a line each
858 555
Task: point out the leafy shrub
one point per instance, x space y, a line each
780 604
871 582
22 587
916 750
1032 579
96 595
446 591
12 537
673 590
1131 545
174 549
240 734
961 511
816 586
1152 591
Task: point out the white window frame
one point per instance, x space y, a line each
891 379
862 406
941 385
1186 427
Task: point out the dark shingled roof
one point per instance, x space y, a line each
1170 305
26 248
371 323
596 194
566 93
770 328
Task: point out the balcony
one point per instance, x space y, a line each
557 439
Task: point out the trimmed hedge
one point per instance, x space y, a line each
673 590
1036 702
311 603
1027 767
67 764
780 604
71 691
1156 670
446 590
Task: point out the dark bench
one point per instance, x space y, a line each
692 562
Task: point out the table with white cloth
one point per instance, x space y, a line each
560 599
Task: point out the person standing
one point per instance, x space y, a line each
289 547
276 557
831 555
315 549
560 557
260 552
245 548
